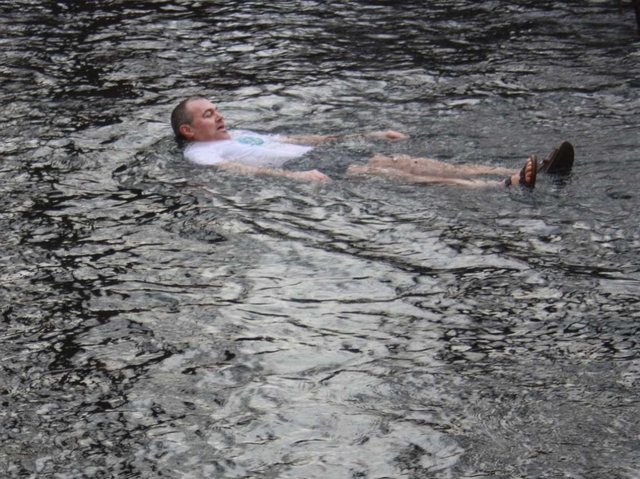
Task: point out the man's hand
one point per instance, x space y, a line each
310 175
388 135
395 135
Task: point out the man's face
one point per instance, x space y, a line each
207 124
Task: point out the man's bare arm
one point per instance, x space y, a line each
309 175
317 139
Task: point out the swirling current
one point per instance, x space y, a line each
161 320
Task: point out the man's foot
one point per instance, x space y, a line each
527 175
560 160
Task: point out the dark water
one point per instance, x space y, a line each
162 320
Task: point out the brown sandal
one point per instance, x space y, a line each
560 160
523 173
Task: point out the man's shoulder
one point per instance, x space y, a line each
204 152
194 145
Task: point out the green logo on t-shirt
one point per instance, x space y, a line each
250 140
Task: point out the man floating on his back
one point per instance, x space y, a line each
198 123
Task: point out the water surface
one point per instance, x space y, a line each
164 320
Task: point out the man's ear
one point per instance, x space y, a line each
186 131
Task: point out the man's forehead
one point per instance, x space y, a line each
199 105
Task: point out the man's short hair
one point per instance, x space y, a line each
181 116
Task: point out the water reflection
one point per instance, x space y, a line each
162 320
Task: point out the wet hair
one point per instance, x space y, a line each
181 116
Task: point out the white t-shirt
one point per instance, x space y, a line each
245 147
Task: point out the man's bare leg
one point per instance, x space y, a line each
409 177
436 168
525 177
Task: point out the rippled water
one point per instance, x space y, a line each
163 320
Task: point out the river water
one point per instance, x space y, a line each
161 320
